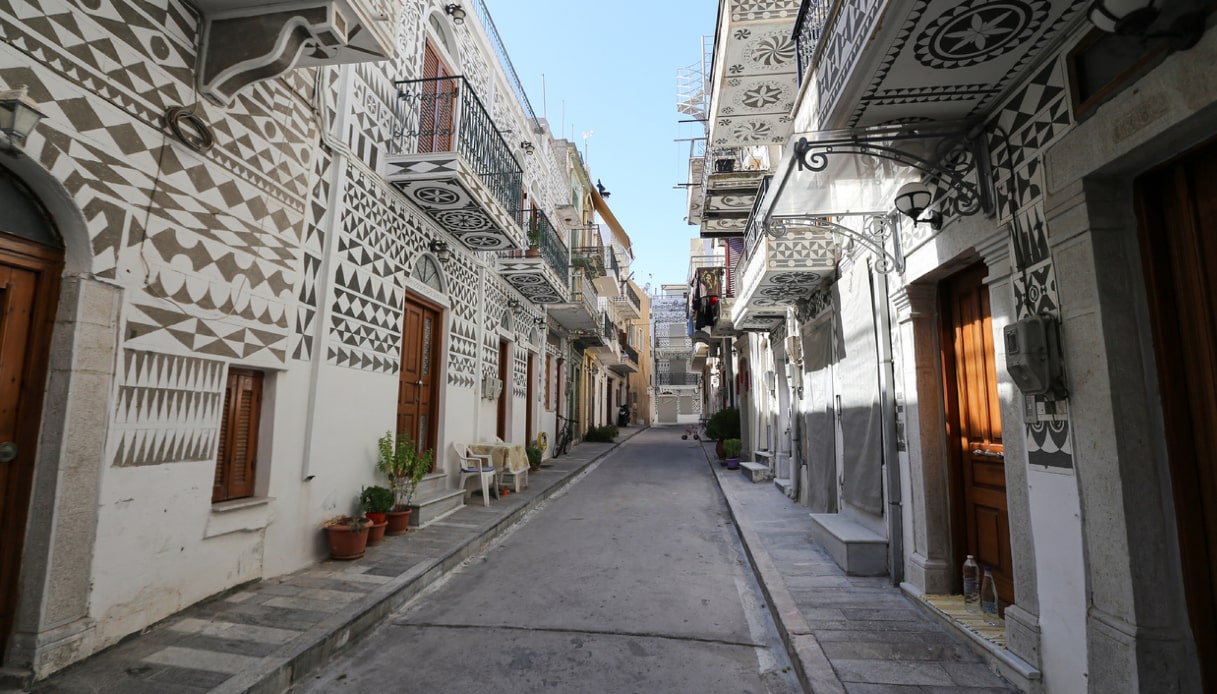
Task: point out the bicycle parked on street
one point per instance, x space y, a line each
566 434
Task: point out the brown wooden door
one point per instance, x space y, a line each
504 372
528 408
1177 206
418 389
437 104
28 285
980 522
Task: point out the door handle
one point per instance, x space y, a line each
8 452
988 454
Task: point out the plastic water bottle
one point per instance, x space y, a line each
971 586
988 599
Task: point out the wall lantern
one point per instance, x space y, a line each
514 304
1135 17
456 12
911 201
440 249
528 147
19 115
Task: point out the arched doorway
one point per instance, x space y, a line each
31 261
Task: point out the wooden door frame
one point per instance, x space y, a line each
437 388
958 475
47 264
1187 476
501 410
529 407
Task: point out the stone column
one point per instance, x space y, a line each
928 561
1022 618
1138 638
53 628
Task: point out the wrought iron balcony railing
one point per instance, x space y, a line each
444 114
629 353
583 291
589 259
678 378
813 18
545 238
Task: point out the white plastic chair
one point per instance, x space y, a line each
477 465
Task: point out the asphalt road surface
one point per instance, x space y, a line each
632 580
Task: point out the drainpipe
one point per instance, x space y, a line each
891 456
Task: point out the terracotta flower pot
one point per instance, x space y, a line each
399 522
346 542
376 531
375 517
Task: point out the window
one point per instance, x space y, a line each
236 455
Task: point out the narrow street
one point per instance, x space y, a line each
634 579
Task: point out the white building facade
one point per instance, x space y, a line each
244 244
1020 375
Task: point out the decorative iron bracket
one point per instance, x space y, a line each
878 229
965 150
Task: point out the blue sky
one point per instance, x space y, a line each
612 67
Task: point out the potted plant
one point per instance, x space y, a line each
404 466
375 502
348 536
723 425
534 457
732 447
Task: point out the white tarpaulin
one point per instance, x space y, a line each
820 440
861 418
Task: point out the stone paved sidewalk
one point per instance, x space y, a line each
845 633
264 636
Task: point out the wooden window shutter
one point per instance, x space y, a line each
237 452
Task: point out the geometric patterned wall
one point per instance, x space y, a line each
1033 119
167 409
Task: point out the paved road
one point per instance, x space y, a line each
633 580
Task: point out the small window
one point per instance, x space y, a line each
1103 64
237 453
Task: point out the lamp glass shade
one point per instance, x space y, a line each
17 114
1123 16
912 199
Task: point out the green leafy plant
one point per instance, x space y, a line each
404 465
732 447
604 434
534 456
376 499
723 425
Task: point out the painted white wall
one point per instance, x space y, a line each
1056 525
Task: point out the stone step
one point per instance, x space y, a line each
756 472
855 548
432 484
786 485
436 505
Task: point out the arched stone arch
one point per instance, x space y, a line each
442 36
64 213
72 428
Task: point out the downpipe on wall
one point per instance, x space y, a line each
891 456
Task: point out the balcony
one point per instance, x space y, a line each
539 273
601 340
919 63
712 294
590 260
731 185
627 305
448 157
627 360
581 313
776 272
246 42
754 83
678 378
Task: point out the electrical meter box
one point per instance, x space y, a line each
1033 356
